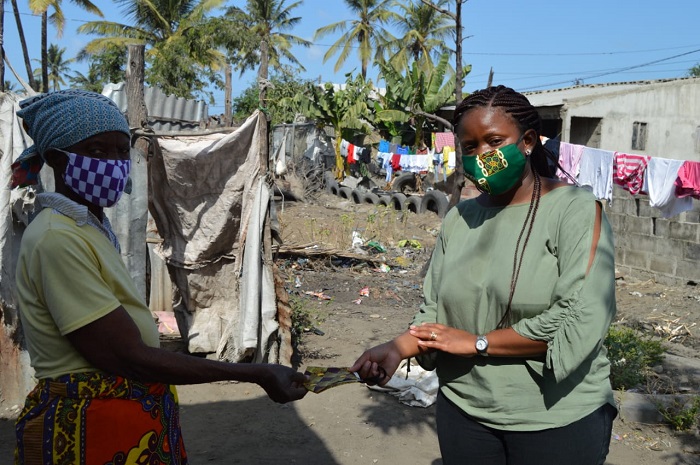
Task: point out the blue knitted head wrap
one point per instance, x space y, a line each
59 120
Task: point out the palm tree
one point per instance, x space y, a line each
57 66
424 32
367 32
23 42
59 21
178 37
265 20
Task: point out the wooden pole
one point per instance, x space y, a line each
136 106
228 110
134 207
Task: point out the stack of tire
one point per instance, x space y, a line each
432 201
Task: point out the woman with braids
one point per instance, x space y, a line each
104 392
518 299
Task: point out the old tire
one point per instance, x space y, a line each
332 186
370 198
413 204
345 193
405 182
435 201
357 195
384 200
398 202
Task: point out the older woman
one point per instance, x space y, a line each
105 391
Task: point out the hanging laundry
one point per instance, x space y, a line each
402 150
628 171
660 184
553 146
344 148
351 154
396 161
569 160
688 181
444 139
383 146
595 172
365 155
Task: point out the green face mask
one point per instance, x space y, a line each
497 171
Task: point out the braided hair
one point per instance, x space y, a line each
526 117
523 113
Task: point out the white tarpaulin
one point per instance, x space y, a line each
210 199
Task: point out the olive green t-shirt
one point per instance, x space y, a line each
67 277
468 285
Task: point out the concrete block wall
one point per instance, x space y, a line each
649 246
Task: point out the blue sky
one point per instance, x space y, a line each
530 44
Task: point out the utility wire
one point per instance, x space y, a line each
619 70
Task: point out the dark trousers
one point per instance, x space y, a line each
464 441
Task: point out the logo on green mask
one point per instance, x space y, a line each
497 171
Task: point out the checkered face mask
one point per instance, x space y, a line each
100 182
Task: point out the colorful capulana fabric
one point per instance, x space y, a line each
92 418
61 119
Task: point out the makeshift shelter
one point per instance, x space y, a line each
210 197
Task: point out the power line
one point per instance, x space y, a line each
619 70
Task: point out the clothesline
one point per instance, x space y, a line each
670 184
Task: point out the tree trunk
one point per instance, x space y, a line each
136 106
44 52
2 46
262 73
23 41
459 169
228 111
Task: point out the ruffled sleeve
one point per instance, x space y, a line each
575 326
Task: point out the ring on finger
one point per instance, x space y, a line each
433 336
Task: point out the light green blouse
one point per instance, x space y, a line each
467 287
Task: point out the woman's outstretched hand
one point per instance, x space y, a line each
440 337
378 364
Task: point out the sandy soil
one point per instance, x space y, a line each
232 423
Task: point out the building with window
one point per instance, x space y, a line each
657 118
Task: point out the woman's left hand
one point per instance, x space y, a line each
441 337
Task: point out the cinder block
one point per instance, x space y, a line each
688 270
684 231
627 206
639 225
664 265
644 210
619 256
667 280
661 227
637 259
638 408
642 243
616 221
692 252
670 247
692 217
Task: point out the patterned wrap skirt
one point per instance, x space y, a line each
93 418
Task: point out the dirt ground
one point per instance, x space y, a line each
232 423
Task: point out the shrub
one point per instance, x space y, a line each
631 357
681 414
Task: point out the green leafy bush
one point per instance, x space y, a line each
680 414
631 357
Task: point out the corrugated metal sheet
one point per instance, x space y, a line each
554 97
165 112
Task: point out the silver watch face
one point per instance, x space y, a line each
481 344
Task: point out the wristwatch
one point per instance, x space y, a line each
482 345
